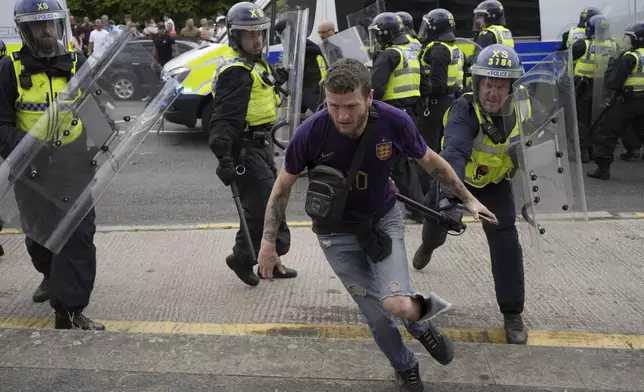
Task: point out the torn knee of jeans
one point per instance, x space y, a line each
357 290
394 286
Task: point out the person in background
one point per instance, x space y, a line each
165 48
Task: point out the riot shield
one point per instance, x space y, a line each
548 181
294 44
80 141
363 18
347 43
605 48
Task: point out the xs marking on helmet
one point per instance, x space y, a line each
43 6
256 13
500 57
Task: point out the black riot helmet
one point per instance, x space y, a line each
438 23
634 36
41 24
498 62
408 23
3 48
246 16
487 13
586 14
383 29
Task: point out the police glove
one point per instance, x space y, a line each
281 76
226 170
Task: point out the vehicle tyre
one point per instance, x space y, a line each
125 87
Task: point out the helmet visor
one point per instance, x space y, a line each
424 32
374 42
254 40
43 34
480 19
627 42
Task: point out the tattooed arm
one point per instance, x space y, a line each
438 167
276 208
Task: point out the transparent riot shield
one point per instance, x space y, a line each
548 182
347 43
605 48
81 140
294 45
470 51
363 18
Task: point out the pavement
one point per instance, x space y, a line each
178 319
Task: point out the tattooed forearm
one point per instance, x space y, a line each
275 214
450 180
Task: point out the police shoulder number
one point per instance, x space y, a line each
500 57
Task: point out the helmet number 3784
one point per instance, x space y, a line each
500 57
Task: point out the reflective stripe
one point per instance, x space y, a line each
636 79
586 65
404 81
502 35
574 34
455 72
406 71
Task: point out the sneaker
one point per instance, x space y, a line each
515 332
437 344
409 380
76 320
42 292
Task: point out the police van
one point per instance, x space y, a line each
536 25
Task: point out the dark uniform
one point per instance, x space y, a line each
3 52
395 78
625 82
410 33
568 38
28 80
583 54
492 30
244 110
474 154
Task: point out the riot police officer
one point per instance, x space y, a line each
625 83
568 38
395 78
245 105
474 135
28 80
584 53
489 24
441 62
410 33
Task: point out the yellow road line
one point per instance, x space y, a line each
331 331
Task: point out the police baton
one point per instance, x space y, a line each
452 224
242 219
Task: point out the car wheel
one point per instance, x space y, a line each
124 87
206 113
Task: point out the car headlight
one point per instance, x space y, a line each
180 74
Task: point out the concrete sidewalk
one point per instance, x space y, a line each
591 282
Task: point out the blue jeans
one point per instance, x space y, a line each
370 283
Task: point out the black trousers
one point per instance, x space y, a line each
625 112
506 253
255 187
72 271
584 100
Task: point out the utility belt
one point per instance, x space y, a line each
256 137
628 93
327 195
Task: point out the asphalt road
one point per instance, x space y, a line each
170 179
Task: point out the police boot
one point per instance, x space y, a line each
628 155
243 271
289 273
515 332
76 320
409 380
422 257
585 156
42 292
602 172
437 344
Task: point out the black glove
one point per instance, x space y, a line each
226 170
281 76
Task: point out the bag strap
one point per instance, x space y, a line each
362 147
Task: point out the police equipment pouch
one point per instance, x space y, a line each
328 188
493 132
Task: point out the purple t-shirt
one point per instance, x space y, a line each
317 142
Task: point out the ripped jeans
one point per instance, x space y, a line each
370 283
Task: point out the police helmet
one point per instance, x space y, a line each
492 13
634 36
438 23
383 29
246 16
3 48
41 24
597 23
496 61
408 23
586 14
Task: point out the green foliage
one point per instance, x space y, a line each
178 10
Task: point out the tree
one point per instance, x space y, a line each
179 10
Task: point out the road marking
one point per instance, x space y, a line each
235 225
351 332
